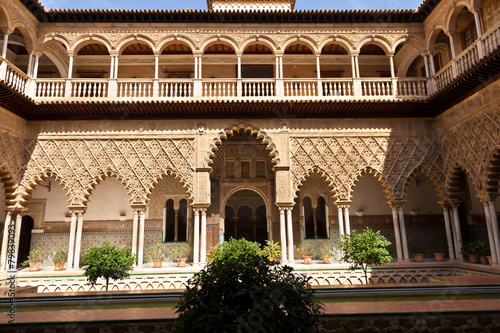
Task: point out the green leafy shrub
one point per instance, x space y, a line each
366 248
240 249
157 251
181 250
240 291
475 247
60 255
35 255
107 261
271 250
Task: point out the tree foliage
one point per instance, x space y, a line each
365 248
239 249
243 292
107 261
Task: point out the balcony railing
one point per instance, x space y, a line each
167 89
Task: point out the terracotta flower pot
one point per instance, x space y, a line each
439 256
58 266
34 266
157 263
327 259
483 260
307 260
419 257
181 262
474 258
490 261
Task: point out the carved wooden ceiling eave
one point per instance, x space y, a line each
231 109
203 15
15 102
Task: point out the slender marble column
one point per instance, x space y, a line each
157 56
4 46
479 31
291 255
315 222
19 221
452 45
318 68
341 220
135 228
391 61
353 67
5 240
454 232
449 236
200 70
176 225
78 245
35 67
112 68
346 219
281 67
70 67
456 220
239 66
116 66
277 67
433 67
142 218
72 231
426 63
196 67
494 227
404 242
283 234
397 235
491 239
196 240
203 241
357 66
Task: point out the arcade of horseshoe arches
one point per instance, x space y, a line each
259 122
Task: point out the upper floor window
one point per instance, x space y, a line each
469 35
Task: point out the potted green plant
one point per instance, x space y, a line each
473 249
34 259
326 250
181 252
439 250
417 249
60 257
271 250
157 253
307 249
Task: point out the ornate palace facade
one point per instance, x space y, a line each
249 119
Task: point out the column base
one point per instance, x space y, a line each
406 260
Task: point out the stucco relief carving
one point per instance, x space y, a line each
470 145
79 164
343 159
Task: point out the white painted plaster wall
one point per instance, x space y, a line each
57 201
369 197
108 201
421 198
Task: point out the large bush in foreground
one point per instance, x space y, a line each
365 248
107 261
247 293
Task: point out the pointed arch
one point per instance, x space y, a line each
246 127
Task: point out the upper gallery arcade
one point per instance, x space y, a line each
249 119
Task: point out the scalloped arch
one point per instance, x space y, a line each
438 187
493 173
155 180
9 184
29 186
261 135
328 180
451 178
386 186
101 177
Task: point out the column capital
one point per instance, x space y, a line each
239 53
200 206
354 53
140 207
444 204
114 53
343 203
77 209
396 203
284 206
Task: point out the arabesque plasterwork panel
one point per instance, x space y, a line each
137 163
344 158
